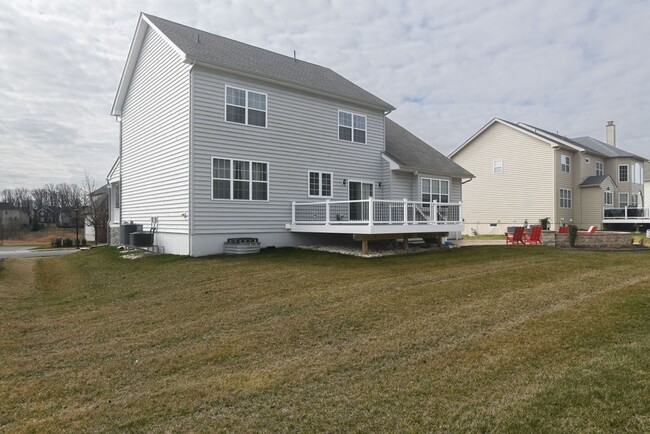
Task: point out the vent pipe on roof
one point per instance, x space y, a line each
198 40
294 55
610 133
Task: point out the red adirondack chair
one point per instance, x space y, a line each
563 230
535 236
516 237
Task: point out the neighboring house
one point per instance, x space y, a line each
96 216
113 182
524 173
220 139
48 215
646 185
11 216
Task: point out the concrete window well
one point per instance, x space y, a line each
596 240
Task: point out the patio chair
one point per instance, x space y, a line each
535 236
516 237
591 230
563 230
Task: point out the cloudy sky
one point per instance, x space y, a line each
449 66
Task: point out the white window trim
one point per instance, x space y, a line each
569 198
600 168
232 179
610 194
320 183
246 108
627 199
619 172
431 192
567 164
338 125
494 167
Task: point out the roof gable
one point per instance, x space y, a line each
195 45
412 153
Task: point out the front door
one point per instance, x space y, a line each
359 191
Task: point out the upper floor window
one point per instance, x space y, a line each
239 179
320 184
435 190
608 198
623 173
565 163
352 128
565 198
497 166
245 107
600 169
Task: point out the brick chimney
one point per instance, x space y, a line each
610 133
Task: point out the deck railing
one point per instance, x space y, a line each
375 212
626 213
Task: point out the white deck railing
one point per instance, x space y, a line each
375 212
626 213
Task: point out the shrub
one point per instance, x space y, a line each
84 242
67 242
35 226
573 235
57 242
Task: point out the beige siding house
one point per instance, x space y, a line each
524 174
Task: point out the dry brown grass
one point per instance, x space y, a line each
501 339
41 237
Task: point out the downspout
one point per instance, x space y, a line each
119 119
190 223
555 189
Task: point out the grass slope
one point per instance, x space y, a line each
483 339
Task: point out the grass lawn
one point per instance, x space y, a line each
478 339
42 237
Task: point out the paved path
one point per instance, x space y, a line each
470 242
29 252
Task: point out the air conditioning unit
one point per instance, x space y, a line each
141 239
126 229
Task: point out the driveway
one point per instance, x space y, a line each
29 252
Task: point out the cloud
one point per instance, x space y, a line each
448 67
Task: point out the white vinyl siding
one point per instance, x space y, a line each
319 184
565 198
352 127
565 163
239 179
623 173
155 140
245 107
600 169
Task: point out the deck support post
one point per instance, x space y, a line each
364 247
405 243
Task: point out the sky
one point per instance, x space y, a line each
449 66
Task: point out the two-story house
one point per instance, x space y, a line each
11 216
220 139
524 174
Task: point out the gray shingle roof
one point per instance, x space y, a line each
219 51
5 206
594 180
412 153
602 148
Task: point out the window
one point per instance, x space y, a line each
239 179
637 173
435 190
497 166
116 189
565 198
608 198
245 107
623 175
635 200
565 163
352 128
600 169
623 200
320 184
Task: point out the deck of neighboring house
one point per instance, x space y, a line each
626 215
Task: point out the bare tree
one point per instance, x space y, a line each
7 196
96 201
40 198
